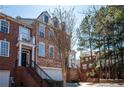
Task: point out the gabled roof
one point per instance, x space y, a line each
44 13
15 20
55 18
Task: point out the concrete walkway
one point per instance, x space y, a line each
88 84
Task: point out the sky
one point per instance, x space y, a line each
33 11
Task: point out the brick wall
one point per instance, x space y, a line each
7 62
72 75
46 61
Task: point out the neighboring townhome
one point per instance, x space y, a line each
47 56
17 44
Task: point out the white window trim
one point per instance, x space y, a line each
8 24
8 48
43 27
53 51
41 43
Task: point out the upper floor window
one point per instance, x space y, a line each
42 30
50 33
42 50
24 33
4 26
56 23
46 19
51 52
4 48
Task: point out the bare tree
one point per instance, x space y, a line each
63 35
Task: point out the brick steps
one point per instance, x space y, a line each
37 78
26 77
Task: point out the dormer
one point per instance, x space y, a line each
63 26
55 22
44 17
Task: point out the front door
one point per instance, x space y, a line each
25 58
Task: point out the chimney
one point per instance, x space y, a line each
18 17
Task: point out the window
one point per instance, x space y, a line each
51 52
84 66
25 33
46 19
51 33
55 23
4 48
42 49
41 30
4 26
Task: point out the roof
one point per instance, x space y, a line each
43 13
28 21
55 18
15 20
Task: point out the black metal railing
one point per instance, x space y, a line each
44 75
39 71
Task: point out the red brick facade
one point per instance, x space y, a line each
12 37
88 62
7 62
18 47
46 61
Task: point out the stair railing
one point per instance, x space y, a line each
43 74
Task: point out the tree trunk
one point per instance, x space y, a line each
63 69
100 72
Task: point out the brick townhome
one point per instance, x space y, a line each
23 41
86 65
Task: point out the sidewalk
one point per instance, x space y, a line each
88 84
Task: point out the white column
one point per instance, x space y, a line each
33 40
32 56
20 55
32 53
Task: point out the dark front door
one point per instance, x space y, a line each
23 59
